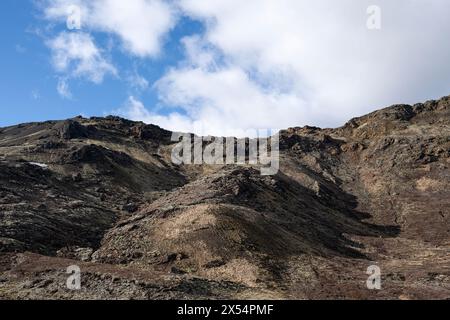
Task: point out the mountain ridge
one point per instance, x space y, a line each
103 193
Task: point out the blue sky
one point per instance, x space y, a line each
28 80
220 66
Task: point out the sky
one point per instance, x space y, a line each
220 67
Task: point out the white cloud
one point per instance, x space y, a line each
63 89
135 110
269 63
140 24
226 101
76 55
138 82
292 62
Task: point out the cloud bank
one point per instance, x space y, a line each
280 63
77 55
140 24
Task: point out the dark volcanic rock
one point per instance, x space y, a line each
150 132
99 155
71 129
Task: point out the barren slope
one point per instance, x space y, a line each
103 194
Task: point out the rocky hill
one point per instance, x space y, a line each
103 194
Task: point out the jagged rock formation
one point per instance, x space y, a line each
103 194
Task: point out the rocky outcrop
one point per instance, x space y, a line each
71 129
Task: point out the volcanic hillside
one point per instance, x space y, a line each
103 194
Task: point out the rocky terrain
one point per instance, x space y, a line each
103 194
